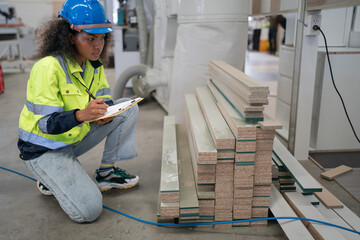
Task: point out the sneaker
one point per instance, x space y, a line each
42 189
117 178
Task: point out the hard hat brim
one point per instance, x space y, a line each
98 30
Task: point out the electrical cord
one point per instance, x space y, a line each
208 223
317 28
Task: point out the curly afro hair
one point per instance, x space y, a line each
54 38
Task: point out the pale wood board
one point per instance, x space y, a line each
280 208
220 131
309 211
237 100
247 81
188 194
270 124
202 138
349 217
199 177
333 173
169 165
258 98
234 120
333 218
306 182
328 199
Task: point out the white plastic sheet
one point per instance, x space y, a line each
196 45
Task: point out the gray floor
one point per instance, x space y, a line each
25 214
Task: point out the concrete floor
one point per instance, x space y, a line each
26 214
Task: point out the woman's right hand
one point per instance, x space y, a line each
96 108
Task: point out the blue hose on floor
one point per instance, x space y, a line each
209 223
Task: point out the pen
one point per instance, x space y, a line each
90 94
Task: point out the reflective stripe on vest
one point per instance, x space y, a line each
43 124
103 91
39 109
63 65
36 139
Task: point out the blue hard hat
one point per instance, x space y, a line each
86 15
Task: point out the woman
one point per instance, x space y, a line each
67 88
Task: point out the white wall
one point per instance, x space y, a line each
336 24
356 23
32 13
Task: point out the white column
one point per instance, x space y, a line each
303 86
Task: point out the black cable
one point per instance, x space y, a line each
316 27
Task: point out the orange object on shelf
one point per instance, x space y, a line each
264 45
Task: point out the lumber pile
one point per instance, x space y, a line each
247 95
225 164
240 99
285 182
169 197
304 202
229 151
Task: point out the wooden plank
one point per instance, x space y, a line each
328 199
349 217
188 194
169 183
306 210
270 124
161 219
224 184
201 136
277 161
249 113
333 218
258 98
203 173
220 131
306 182
243 79
241 129
333 173
294 230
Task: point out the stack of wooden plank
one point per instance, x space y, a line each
302 202
305 181
252 170
220 167
169 197
231 157
262 174
286 181
204 158
224 142
275 175
246 94
189 204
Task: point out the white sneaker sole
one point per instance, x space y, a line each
46 193
106 186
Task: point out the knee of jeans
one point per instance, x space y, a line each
91 211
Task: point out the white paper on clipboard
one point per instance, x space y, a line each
118 108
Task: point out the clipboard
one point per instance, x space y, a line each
116 109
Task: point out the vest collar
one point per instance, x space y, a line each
74 67
95 64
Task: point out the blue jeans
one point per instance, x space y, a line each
61 172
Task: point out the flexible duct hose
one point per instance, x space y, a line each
125 76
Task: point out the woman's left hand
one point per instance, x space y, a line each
104 121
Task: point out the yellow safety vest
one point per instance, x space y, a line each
54 86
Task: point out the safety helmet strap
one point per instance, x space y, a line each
80 27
